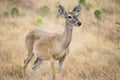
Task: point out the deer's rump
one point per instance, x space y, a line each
40 42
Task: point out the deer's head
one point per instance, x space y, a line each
71 17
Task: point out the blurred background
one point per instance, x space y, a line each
94 50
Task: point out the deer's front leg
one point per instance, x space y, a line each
52 60
61 64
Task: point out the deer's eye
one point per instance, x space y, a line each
69 17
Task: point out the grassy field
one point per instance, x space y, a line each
94 50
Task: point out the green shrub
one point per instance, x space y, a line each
97 14
44 10
82 2
39 21
118 23
87 5
15 11
6 14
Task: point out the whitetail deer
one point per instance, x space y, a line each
52 46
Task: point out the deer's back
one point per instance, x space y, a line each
41 42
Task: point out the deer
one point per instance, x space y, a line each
52 46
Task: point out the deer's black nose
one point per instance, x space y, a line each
79 23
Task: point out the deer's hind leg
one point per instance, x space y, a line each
27 60
36 64
29 46
52 60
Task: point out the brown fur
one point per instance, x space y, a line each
51 45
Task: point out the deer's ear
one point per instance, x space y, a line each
62 11
77 9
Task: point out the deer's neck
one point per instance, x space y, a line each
67 35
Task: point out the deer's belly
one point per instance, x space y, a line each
46 50
42 51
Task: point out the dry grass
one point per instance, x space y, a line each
94 51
